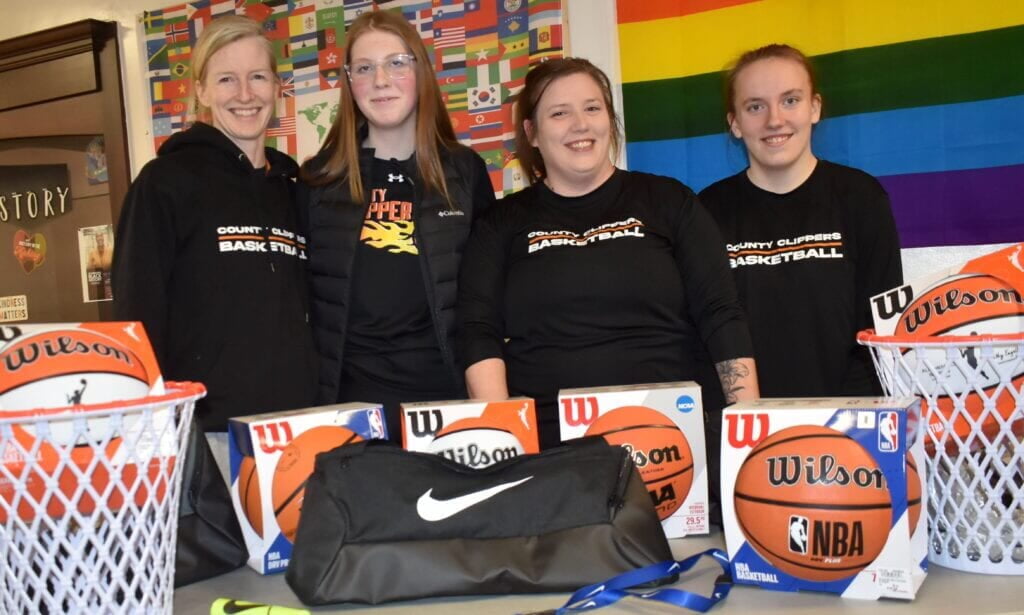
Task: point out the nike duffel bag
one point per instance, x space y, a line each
381 524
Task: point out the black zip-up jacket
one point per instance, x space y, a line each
335 223
210 257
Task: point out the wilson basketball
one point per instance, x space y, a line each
74 486
659 449
68 367
476 442
966 304
294 467
813 503
962 303
249 494
913 494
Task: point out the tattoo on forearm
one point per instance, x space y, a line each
730 373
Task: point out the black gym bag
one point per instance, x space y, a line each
380 524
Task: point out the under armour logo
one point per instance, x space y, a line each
395 178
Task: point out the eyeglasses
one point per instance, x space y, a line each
396 66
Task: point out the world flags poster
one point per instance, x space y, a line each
481 49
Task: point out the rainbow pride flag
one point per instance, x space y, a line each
926 95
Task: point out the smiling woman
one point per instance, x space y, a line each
809 241
236 90
592 276
393 198
210 256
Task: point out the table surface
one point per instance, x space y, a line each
943 591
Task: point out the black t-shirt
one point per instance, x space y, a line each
614 287
806 263
392 352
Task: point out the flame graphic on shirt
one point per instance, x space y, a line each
395 237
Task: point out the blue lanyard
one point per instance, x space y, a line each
602 594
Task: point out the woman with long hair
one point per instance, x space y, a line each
392 198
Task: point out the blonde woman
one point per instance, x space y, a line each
209 255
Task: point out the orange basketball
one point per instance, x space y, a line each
813 503
965 304
659 449
77 480
295 466
960 302
249 493
913 493
66 367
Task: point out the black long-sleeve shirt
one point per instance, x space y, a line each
210 257
619 286
806 264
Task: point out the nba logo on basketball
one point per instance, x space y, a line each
888 425
798 534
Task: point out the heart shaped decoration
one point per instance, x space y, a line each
29 249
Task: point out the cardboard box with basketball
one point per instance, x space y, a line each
825 495
663 427
474 433
272 456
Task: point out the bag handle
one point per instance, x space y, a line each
602 594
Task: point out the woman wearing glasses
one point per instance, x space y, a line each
592 275
392 198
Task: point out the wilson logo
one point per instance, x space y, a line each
893 302
273 437
747 438
823 470
579 410
953 300
424 423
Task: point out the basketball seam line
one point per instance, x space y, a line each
873 506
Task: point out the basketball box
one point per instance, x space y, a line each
272 455
662 425
474 433
824 495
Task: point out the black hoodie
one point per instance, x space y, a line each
209 256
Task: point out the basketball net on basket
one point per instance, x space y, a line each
89 504
973 424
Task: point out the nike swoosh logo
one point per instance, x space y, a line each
431 509
234 606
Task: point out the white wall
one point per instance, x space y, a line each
591 34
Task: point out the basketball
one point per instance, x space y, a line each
249 494
966 304
68 367
659 449
294 467
813 503
74 487
963 303
913 493
476 443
